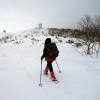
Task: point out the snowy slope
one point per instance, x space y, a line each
20 71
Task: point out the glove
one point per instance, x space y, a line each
42 58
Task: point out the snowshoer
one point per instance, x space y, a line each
50 52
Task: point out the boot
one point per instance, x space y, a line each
46 70
53 78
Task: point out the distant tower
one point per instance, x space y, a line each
4 31
40 26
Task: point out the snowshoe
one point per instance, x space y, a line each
54 79
45 72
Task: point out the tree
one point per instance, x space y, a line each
90 30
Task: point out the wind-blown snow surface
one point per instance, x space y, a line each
20 73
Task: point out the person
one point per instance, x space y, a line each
49 60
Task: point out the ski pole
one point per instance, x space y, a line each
40 84
58 67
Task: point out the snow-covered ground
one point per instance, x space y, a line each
20 73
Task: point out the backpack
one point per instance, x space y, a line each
53 50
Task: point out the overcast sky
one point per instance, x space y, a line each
16 15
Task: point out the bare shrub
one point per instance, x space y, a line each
90 32
70 41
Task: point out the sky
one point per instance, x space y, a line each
18 15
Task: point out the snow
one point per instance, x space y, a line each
20 72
